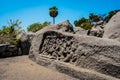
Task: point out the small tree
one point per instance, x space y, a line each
12 27
9 32
83 23
94 18
53 12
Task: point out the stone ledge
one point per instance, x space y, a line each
72 70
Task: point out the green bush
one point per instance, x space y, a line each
37 26
8 33
83 23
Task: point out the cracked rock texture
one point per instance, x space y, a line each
99 54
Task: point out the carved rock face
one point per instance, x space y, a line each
89 52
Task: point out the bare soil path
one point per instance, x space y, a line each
21 68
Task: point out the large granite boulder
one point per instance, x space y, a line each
65 26
97 30
112 28
7 50
78 30
30 36
23 44
55 48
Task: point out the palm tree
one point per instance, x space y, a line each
53 12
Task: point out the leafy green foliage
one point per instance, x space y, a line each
37 26
94 18
5 30
8 33
53 12
11 28
88 23
83 23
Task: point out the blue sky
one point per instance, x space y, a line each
31 11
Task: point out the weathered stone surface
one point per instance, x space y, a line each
65 26
72 70
97 30
112 28
78 30
24 43
22 46
102 55
30 36
3 47
8 50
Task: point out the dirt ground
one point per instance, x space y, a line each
21 68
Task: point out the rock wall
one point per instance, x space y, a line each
24 42
102 55
9 51
22 46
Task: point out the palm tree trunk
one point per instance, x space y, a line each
53 20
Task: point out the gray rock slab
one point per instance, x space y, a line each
99 54
112 28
